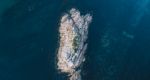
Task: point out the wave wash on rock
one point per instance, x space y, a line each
73 35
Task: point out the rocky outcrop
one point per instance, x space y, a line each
73 35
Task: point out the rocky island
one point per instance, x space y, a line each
72 44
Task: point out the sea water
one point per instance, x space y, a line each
118 40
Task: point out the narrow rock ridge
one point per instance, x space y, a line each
73 35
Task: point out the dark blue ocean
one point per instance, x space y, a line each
118 40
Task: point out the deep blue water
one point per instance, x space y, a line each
118 41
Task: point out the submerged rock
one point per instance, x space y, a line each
73 34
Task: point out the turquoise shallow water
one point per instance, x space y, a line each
118 41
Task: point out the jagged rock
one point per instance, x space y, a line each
73 34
